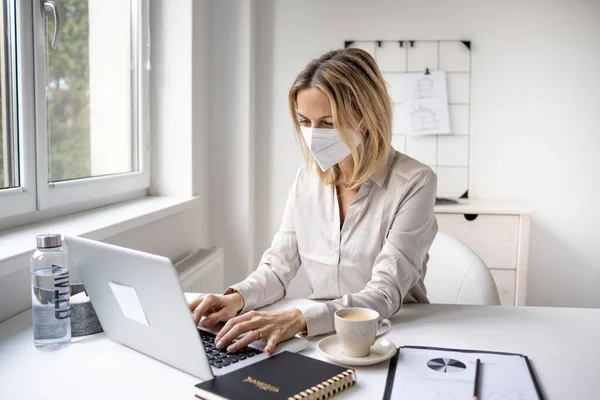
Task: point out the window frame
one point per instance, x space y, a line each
22 199
56 194
35 195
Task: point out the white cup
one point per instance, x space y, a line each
359 333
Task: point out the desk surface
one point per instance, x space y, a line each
562 344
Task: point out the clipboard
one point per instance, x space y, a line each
389 384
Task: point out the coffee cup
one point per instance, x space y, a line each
357 328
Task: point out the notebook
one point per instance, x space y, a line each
417 372
283 376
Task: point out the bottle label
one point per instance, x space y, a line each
62 309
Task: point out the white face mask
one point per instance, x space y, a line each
325 145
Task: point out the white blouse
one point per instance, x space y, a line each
377 260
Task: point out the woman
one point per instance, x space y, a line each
359 217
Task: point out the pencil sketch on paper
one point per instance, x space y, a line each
424 119
425 104
425 88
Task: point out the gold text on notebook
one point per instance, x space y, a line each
262 385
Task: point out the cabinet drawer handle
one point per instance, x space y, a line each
471 217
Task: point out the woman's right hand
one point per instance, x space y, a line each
216 308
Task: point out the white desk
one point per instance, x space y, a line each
562 344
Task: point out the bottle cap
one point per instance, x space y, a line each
49 241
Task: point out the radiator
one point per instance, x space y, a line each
202 271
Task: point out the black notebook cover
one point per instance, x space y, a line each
279 377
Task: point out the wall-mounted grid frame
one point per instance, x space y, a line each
447 155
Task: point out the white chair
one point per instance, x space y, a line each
456 274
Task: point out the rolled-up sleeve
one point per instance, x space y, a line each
278 266
400 266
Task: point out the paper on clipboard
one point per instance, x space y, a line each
432 374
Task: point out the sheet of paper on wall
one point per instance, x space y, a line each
425 104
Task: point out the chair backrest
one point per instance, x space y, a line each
456 274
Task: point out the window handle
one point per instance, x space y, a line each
49 7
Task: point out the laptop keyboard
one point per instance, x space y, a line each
222 358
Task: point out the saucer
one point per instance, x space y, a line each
331 347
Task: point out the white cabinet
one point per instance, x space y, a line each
499 233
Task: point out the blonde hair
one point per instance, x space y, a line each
361 107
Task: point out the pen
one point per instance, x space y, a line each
477 381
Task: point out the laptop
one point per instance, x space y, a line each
139 301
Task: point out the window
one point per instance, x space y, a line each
76 72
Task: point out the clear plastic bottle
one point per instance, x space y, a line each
50 294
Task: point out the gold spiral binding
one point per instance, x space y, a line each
328 388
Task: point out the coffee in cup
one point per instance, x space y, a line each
357 329
356 316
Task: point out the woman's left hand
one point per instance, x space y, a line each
273 326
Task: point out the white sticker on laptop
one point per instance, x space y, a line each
129 302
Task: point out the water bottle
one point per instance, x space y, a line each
50 294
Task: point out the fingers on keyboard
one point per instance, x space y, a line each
222 358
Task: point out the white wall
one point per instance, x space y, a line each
535 113
231 133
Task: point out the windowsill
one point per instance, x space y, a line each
97 224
